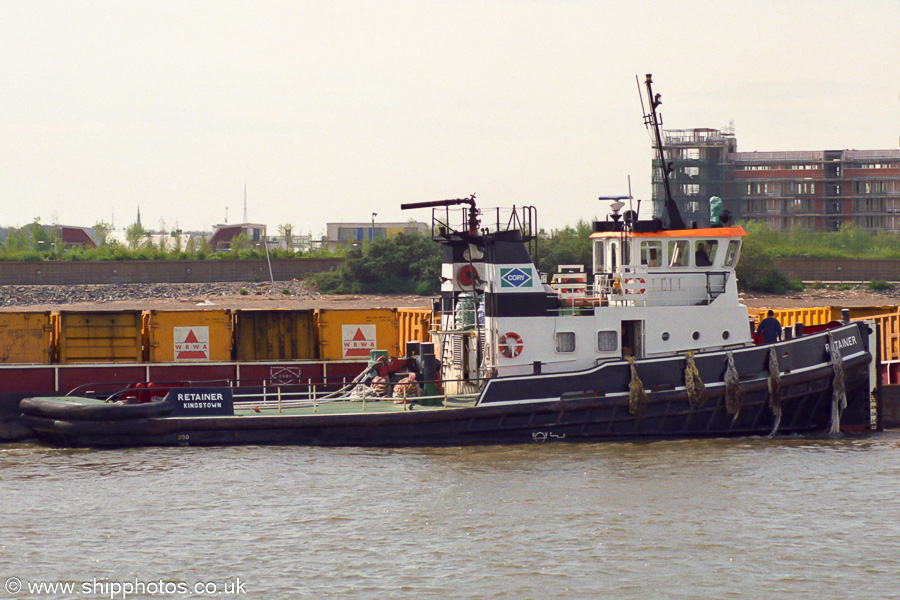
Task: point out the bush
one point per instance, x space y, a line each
880 286
409 263
756 271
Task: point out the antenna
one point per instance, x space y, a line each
671 216
630 197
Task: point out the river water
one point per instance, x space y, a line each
745 518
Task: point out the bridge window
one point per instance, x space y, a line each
705 252
599 257
678 253
651 253
731 252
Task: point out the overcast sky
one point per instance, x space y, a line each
331 110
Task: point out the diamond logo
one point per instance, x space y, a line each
516 278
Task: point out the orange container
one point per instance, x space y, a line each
274 334
414 325
352 334
26 337
188 335
98 336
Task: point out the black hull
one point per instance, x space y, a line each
806 401
586 406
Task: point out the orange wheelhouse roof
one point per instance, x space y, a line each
708 232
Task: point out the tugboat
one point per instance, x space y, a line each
653 342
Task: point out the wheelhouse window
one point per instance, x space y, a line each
565 341
599 257
678 253
705 252
731 252
651 253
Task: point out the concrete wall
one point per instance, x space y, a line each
160 271
842 269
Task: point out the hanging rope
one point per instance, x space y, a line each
838 390
637 397
774 389
696 391
733 394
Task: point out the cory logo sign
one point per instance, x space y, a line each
516 278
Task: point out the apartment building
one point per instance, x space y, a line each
822 190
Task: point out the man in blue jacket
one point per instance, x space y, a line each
770 328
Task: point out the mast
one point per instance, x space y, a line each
671 216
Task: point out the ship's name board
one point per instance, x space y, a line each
846 342
202 402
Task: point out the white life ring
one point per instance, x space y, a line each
511 344
635 280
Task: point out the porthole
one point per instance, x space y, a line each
696 335
665 336
725 335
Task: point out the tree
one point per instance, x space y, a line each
38 237
16 240
286 230
240 242
102 230
136 235
406 263
567 246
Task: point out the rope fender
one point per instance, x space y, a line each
696 391
637 397
774 384
839 392
733 393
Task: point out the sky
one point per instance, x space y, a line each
328 111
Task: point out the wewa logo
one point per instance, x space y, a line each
191 343
357 340
516 278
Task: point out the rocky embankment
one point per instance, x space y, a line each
31 295
282 294
294 294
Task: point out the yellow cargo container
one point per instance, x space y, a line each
352 334
274 334
822 314
26 337
859 312
414 325
808 316
890 334
98 336
187 335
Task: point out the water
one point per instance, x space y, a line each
747 518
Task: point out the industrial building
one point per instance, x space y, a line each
822 190
351 234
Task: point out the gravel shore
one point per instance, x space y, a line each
294 294
168 296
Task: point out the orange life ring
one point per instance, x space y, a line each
635 280
467 276
511 344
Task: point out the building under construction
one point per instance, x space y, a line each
821 190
